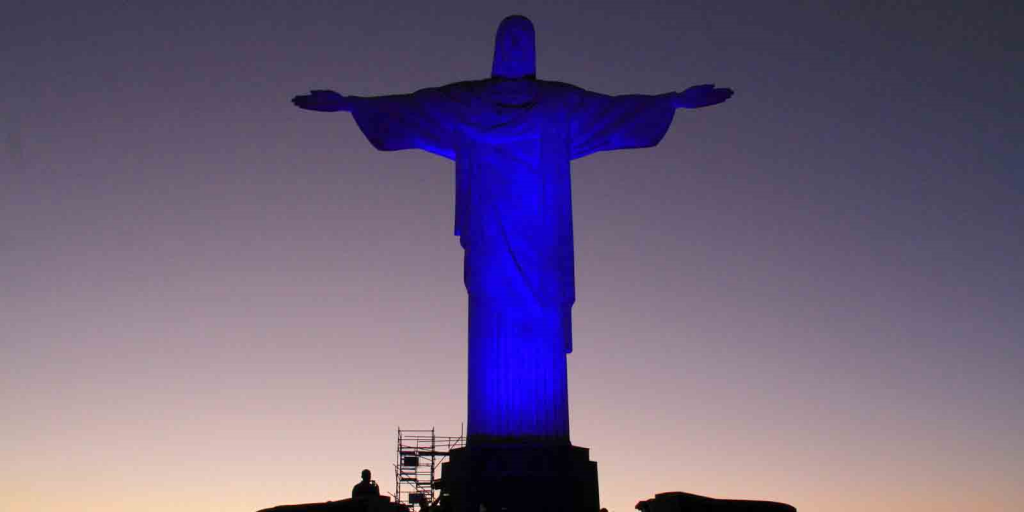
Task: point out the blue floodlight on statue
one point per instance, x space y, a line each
512 138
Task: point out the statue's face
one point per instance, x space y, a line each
514 51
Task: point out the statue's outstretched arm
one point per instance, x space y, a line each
700 96
420 120
324 100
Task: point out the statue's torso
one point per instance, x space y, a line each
513 167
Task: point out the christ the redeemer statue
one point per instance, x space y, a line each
512 138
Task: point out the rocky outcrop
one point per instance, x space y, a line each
376 504
685 502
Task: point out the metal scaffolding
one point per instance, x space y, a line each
420 454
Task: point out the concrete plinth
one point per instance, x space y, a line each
559 478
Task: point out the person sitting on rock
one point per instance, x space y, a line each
367 488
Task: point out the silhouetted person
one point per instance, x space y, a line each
366 488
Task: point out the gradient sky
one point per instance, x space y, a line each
213 301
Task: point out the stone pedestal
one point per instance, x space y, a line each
559 478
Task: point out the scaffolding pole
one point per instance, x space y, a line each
418 459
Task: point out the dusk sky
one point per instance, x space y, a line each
211 300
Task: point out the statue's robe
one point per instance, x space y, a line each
512 141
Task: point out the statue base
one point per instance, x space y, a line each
513 478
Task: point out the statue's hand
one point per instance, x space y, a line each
702 96
323 101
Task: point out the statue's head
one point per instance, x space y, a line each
514 49
366 474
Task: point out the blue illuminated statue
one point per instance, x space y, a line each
512 138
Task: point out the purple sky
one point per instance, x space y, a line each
211 300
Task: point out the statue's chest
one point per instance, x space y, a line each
512 136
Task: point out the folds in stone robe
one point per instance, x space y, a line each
512 142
